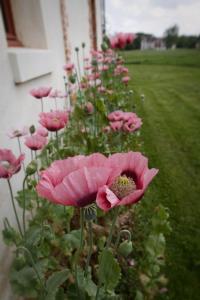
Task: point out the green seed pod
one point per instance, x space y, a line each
77 49
94 62
90 212
125 248
83 45
72 79
31 168
32 129
104 46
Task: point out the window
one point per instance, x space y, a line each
93 21
9 24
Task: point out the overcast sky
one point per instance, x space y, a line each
152 16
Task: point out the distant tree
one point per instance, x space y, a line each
185 41
171 36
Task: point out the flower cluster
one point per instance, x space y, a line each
125 121
82 180
76 164
120 40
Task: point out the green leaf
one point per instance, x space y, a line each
85 283
100 106
109 272
34 236
139 295
30 198
10 236
54 282
73 239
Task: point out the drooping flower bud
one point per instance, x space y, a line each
125 248
31 168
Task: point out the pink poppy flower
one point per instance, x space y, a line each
87 68
18 132
9 164
68 67
74 181
57 94
106 129
121 40
130 37
89 107
54 120
133 124
125 79
35 142
101 89
131 182
116 126
40 92
116 115
114 42
42 131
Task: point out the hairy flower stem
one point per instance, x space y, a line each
78 64
90 247
112 227
57 144
107 246
24 206
42 105
14 207
42 284
20 151
80 296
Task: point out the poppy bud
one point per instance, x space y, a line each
104 46
32 129
31 168
125 248
72 79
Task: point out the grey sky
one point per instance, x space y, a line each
153 16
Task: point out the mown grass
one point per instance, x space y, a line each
170 83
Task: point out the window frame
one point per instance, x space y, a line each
9 24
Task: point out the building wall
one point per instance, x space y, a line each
40 27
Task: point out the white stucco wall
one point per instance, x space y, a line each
17 107
78 26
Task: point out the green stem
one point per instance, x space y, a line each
126 231
42 106
14 207
24 249
107 246
24 205
78 63
57 144
112 227
90 247
79 252
20 151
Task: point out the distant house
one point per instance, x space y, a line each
151 42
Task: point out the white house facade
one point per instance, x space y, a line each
37 37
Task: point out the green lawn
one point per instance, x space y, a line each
170 82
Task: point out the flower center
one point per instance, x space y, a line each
17 133
5 164
56 120
123 186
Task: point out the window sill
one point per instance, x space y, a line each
27 64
